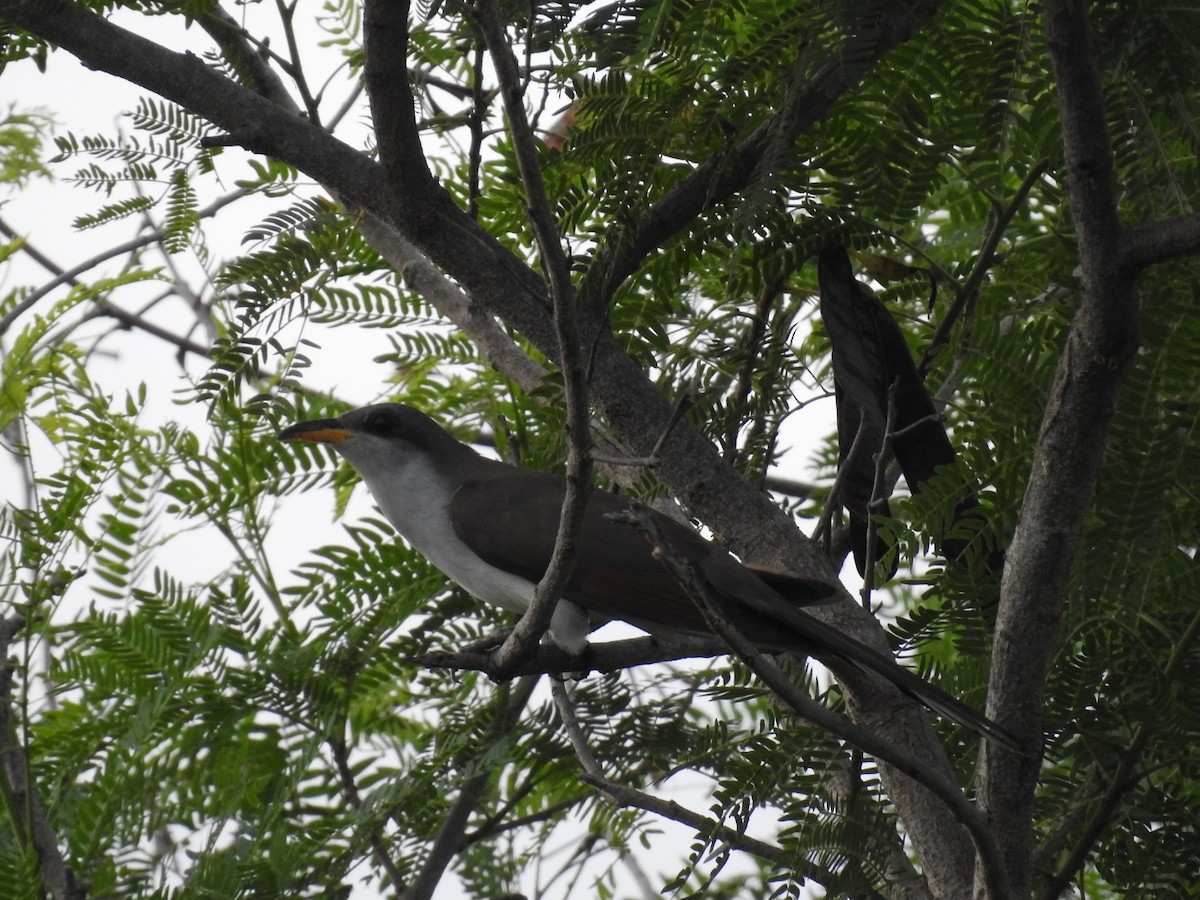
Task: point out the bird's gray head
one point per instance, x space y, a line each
381 441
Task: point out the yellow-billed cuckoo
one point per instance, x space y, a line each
491 528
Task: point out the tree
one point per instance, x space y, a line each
1018 182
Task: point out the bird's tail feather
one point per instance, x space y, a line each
831 646
944 704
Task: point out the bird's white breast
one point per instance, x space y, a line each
416 500
418 505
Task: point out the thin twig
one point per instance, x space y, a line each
622 795
575 737
880 491
724 174
968 293
685 401
379 849
750 346
497 826
834 499
649 891
475 127
248 58
295 68
451 837
669 809
1048 852
599 657
24 805
536 620
1122 780
71 275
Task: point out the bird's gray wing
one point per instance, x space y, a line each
511 521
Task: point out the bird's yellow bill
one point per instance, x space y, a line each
321 432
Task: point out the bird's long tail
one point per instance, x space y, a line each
830 646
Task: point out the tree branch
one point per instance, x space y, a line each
501 826
495 345
623 795
600 657
522 642
23 805
936 782
501 352
106 308
450 837
1157 242
1075 428
968 293
247 60
731 170
593 774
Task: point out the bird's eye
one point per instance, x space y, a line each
383 425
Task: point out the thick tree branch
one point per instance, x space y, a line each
385 69
720 177
1074 433
495 345
1160 241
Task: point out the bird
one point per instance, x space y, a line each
491 528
